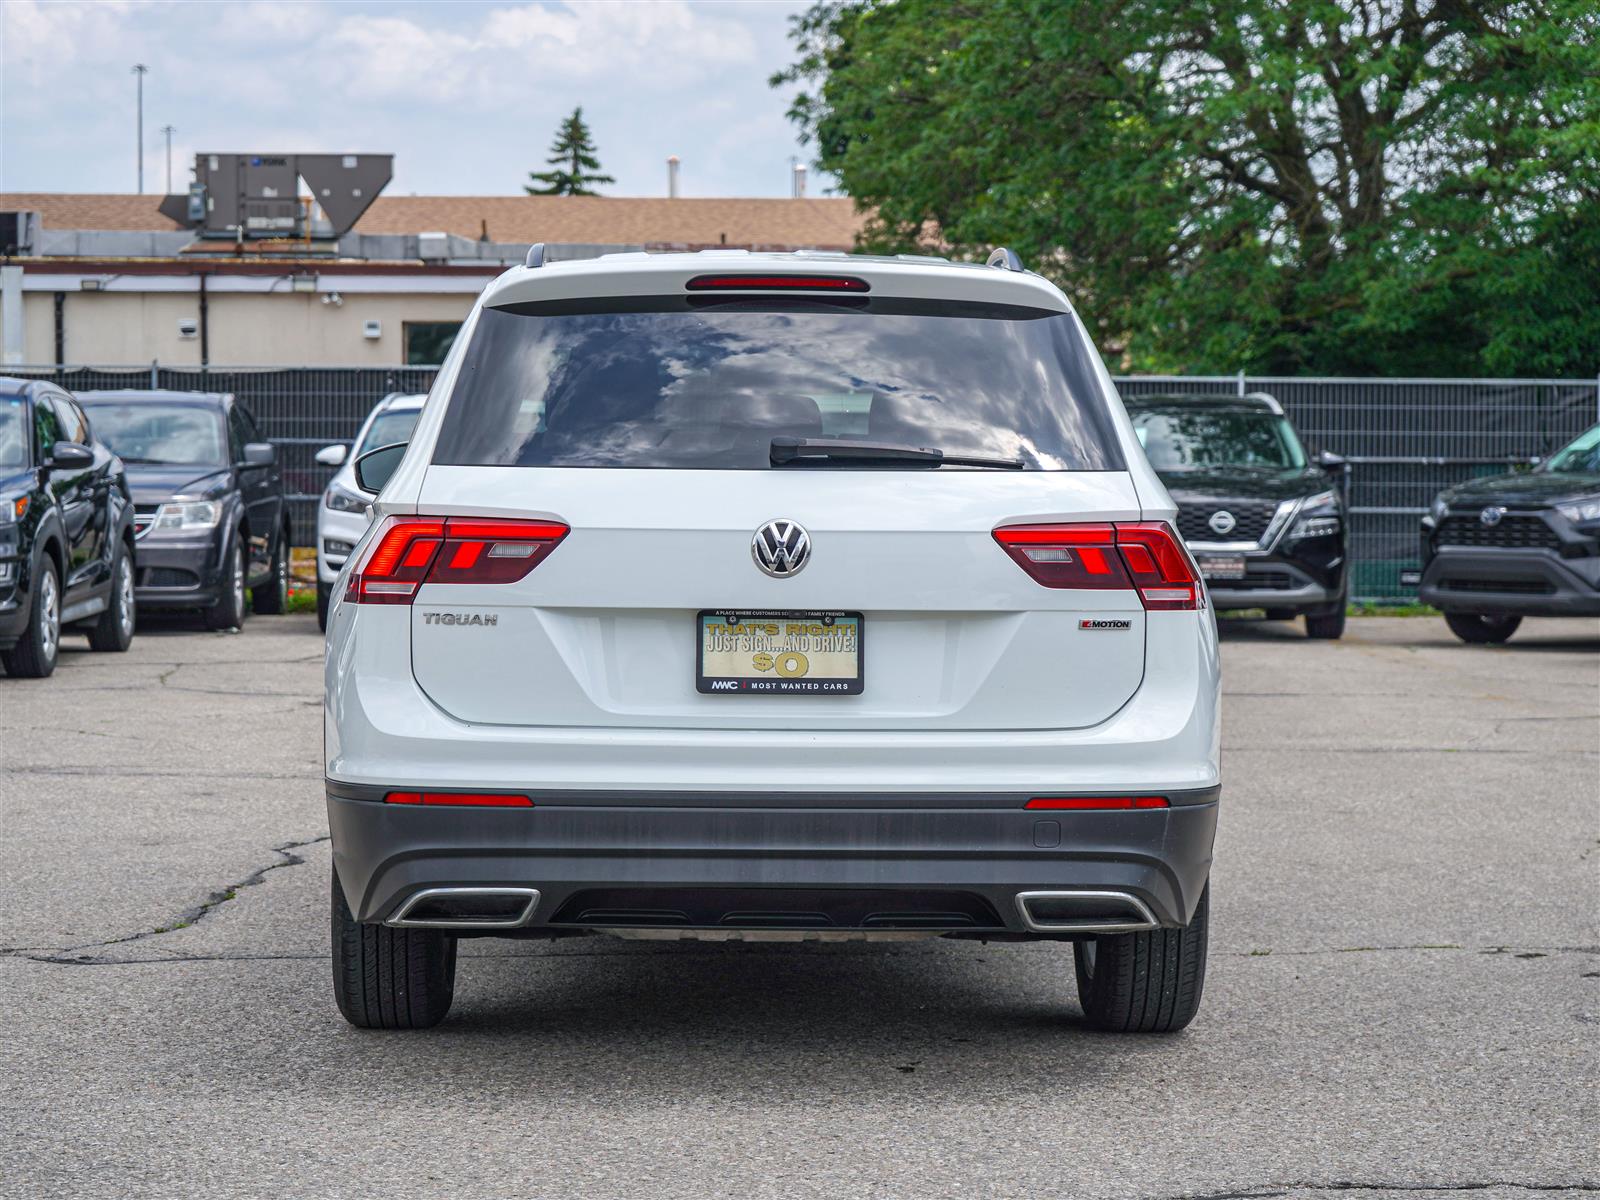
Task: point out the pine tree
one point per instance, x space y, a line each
573 162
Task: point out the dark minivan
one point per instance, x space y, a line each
66 531
211 518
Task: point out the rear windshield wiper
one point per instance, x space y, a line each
787 451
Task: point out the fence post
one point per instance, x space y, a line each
1241 383
155 375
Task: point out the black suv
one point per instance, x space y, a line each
1500 549
210 514
1265 523
66 531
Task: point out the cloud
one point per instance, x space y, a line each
466 96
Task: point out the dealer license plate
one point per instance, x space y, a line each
744 653
1231 567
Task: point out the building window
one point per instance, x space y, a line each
427 342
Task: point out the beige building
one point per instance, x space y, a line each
102 281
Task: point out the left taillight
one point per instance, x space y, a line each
408 552
1145 556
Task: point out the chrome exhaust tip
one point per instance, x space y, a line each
1085 911
466 908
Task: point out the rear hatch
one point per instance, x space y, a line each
668 431
953 634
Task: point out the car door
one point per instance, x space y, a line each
102 484
259 490
75 494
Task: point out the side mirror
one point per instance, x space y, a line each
375 466
260 454
70 456
1329 461
333 456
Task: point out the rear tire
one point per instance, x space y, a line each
228 612
1479 629
1145 982
114 630
1329 625
272 597
34 655
390 978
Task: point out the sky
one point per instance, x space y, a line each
465 95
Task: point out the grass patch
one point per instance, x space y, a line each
1393 610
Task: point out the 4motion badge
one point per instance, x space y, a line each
1105 623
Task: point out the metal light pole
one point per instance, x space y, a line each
139 72
169 130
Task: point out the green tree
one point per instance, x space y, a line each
1287 186
573 162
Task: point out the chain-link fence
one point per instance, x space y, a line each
1405 439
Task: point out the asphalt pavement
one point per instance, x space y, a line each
1403 996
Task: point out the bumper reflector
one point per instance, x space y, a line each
1092 802
479 799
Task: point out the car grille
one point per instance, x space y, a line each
168 577
1521 587
1518 532
1253 517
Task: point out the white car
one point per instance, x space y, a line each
342 516
772 597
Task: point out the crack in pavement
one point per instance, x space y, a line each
1265 1191
70 955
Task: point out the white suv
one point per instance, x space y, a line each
342 516
783 597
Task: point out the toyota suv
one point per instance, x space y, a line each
1265 522
1528 544
745 596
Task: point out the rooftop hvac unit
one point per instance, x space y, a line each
257 196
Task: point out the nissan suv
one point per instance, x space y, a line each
743 596
66 531
1265 522
1528 544
210 511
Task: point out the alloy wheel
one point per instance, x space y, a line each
125 612
49 616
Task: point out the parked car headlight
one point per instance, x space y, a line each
187 515
1587 509
1319 516
1440 509
340 500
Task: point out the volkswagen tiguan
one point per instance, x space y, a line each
771 597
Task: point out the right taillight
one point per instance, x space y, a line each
1143 555
410 551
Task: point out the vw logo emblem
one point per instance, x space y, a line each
781 548
1222 521
1491 515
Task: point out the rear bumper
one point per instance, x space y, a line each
979 851
1522 582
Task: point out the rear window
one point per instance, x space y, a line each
707 383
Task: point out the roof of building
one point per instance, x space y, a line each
824 223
